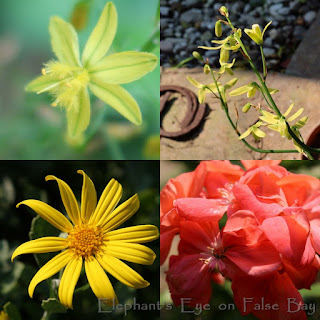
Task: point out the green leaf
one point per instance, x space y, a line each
119 99
123 67
52 305
41 83
101 37
64 42
12 311
78 119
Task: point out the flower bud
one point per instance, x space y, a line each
197 55
224 11
246 108
206 69
218 29
224 55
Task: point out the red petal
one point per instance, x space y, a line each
287 235
189 278
253 164
251 294
197 209
220 173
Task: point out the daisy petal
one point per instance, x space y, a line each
132 252
68 199
109 199
53 216
123 67
122 272
69 280
119 99
136 234
49 269
102 36
78 118
41 245
64 41
99 282
88 197
121 214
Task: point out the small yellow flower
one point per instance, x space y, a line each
256 132
255 33
211 88
229 43
4 316
277 123
250 89
91 240
69 78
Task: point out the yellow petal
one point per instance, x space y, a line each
288 110
202 95
119 99
122 272
68 199
49 269
245 134
102 36
259 133
64 41
99 282
42 83
195 82
69 280
88 197
137 234
109 199
41 245
53 216
132 252
121 214
296 115
240 90
123 67
78 118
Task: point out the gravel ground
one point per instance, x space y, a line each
187 24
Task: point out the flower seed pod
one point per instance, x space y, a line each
224 11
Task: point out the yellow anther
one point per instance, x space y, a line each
43 71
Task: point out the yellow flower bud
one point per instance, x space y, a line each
197 55
206 69
224 55
246 108
224 11
218 29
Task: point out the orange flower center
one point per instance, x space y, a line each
85 240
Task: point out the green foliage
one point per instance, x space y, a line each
12 311
53 305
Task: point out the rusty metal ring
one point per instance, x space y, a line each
193 117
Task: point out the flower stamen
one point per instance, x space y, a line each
85 240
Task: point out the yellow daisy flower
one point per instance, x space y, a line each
91 240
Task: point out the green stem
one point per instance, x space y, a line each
46 315
225 108
264 64
306 148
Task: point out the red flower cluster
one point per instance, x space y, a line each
268 247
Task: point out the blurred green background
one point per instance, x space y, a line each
222 294
29 127
21 180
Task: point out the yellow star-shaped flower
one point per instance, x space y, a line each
68 78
